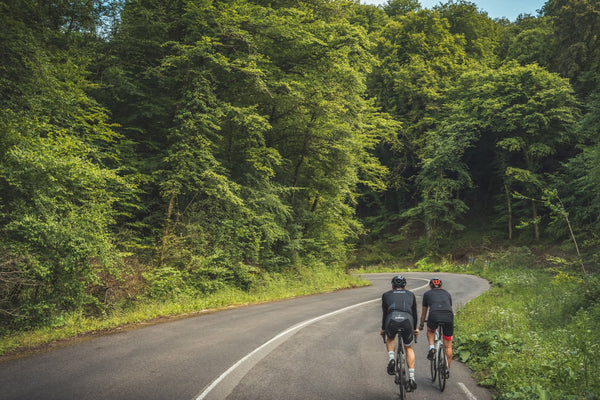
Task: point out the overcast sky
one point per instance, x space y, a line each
494 8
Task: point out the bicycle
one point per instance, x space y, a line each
439 363
400 375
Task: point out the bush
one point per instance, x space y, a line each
533 335
164 282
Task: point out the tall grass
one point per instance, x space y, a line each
298 282
535 334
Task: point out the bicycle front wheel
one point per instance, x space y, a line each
433 368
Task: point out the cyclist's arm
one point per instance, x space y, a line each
384 312
423 316
414 311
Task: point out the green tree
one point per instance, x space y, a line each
395 8
531 40
517 122
321 125
419 60
480 32
59 194
577 44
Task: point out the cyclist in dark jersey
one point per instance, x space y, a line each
439 304
400 311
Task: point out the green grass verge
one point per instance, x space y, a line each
534 334
302 281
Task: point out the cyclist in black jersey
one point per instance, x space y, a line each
439 304
400 311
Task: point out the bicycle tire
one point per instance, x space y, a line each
442 365
433 362
400 367
433 369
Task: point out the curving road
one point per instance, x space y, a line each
315 347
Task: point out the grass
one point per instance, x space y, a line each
533 335
303 281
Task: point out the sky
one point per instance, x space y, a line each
495 8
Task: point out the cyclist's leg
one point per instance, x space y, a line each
448 335
390 344
431 327
407 340
410 356
448 346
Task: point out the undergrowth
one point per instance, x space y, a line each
534 334
269 287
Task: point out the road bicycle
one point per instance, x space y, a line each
400 371
439 363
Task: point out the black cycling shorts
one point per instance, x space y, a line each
447 318
392 326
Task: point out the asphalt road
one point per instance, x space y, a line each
316 347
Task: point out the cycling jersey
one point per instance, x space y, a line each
402 303
399 312
439 303
437 300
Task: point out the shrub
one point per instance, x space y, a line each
533 335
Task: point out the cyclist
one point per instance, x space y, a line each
400 311
439 304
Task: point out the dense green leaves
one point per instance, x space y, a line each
519 117
203 143
257 121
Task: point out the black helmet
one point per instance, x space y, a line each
398 281
435 283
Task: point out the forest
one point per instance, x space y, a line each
151 148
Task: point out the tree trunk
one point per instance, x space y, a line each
536 226
509 208
166 232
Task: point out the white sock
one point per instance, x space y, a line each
391 355
411 373
430 346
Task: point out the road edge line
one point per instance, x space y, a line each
296 327
470 395
278 336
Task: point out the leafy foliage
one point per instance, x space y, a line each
532 334
166 150
60 198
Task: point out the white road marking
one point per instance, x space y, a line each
294 328
470 395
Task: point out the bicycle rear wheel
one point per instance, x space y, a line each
400 367
433 368
441 366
